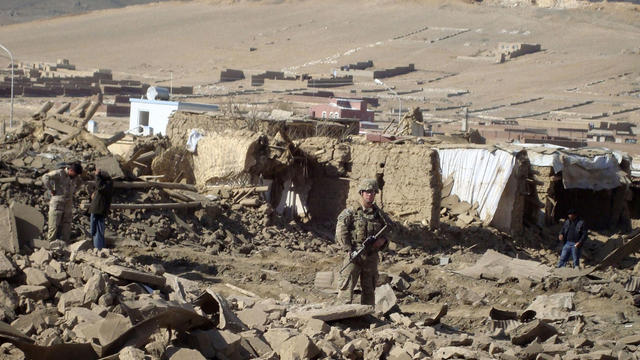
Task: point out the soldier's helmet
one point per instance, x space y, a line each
368 185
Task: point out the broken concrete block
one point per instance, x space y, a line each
8 297
94 288
36 321
7 269
82 245
131 353
275 337
253 318
328 349
258 345
33 292
8 229
36 277
134 275
398 353
325 280
175 353
76 315
110 165
74 297
298 347
449 352
385 298
630 340
225 341
552 307
316 327
526 333
29 222
332 312
40 257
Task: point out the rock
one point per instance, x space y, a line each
29 222
225 342
77 315
275 337
398 353
41 257
131 353
7 269
449 352
253 318
527 332
82 245
94 288
385 298
337 337
552 307
74 297
36 321
298 347
630 340
316 327
36 277
8 296
325 280
112 327
332 312
327 348
175 353
258 344
9 241
33 292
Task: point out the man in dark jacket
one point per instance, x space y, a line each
574 234
100 203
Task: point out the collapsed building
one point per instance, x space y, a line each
219 184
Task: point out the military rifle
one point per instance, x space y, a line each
365 245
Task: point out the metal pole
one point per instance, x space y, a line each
11 114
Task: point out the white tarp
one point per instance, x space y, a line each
479 176
578 172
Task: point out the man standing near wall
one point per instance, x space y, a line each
574 234
100 204
354 226
61 184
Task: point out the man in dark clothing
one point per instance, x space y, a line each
100 203
574 234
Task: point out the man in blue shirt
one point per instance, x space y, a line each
574 234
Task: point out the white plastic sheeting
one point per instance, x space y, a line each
192 142
479 176
598 172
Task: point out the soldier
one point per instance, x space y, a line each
353 227
62 184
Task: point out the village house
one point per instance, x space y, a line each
337 108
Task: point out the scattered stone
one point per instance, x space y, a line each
7 269
9 241
316 327
174 353
333 312
33 292
449 352
298 347
385 298
29 222
526 333
253 318
36 277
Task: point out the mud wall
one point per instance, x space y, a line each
410 175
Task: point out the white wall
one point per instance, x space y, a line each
159 113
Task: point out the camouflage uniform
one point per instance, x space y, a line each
353 227
62 188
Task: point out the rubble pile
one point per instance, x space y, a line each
200 269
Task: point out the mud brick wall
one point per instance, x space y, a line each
411 176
